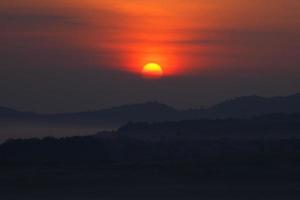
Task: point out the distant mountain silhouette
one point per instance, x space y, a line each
12 113
150 111
271 135
254 105
6 111
114 162
266 126
241 107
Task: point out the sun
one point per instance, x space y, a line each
152 70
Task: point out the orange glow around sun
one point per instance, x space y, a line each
142 54
152 70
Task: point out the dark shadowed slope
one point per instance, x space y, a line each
5 112
180 167
114 116
8 113
236 108
255 105
271 135
267 126
151 111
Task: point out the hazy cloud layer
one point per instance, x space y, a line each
74 55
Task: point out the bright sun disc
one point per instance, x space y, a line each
152 70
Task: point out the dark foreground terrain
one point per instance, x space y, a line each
255 158
152 181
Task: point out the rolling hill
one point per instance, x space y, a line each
241 107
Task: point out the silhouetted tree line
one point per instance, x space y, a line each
262 125
174 146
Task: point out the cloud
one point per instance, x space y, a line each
37 19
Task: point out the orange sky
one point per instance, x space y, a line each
69 55
184 37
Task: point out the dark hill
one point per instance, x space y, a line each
254 105
241 107
6 113
271 135
150 111
267 126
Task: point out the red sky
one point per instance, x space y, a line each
216 38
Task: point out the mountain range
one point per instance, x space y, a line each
241 107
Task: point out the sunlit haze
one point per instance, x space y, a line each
53 50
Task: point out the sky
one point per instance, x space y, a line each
71 55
